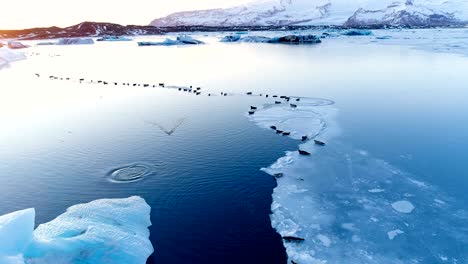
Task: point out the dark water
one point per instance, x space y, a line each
210 201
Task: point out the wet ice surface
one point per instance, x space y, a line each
101 231
351 207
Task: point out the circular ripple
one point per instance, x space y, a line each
130 173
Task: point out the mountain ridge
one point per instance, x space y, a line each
371 13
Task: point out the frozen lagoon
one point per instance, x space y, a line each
392 143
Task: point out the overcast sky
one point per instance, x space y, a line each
15 14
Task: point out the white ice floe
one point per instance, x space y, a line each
16 45
376 190
403 207
114 38
75 41
394 233
102 231
348 194
180 40
7 55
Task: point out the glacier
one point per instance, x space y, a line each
101 231
342 205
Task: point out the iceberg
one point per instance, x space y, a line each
255 39
297 39
342 205
102 231
357 32
113 38
289 39
231 38
75 41
16 45
7 55
180 40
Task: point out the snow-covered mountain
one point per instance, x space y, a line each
326 12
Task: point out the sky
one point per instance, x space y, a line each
18 14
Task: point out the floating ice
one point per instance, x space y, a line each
102 231
376 190
357 32
231 38
113 38
180 40
75 41
394 233
348 195
16 45
8 55
403 207
289 39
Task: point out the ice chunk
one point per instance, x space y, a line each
75 41
357 32
296 39
113 38
403 207
376 190
102 231
181 40
8 55
16 231
255 39
231 38
289 39
392 234
16 45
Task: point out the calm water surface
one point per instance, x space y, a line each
61 140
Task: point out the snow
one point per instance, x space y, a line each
75 41
319 12
102 231
403 207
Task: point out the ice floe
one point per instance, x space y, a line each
403 207
394 233
180 40
7 55
102 231
349 206
231 38
16 45
289 39
114 38
75 41
357 32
